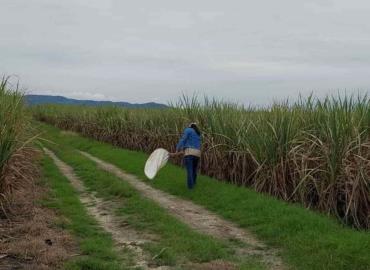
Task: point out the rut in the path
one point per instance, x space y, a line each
103 212
197 217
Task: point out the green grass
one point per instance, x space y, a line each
180 243
308 240
96 246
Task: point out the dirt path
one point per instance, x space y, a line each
103 211
197 217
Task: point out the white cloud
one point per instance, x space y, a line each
88 95
242 50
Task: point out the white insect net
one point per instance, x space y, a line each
155 162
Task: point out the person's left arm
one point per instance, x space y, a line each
181 144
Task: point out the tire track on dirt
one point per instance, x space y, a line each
103 212
198 217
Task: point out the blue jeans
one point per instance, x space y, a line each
191 165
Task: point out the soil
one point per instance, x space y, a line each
29 237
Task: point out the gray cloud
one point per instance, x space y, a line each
248 51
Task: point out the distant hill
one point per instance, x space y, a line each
46 99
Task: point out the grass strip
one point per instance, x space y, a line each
96 246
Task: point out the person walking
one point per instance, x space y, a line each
190 145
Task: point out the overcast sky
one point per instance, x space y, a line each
138 51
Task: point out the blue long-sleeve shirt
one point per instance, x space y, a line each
189 139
